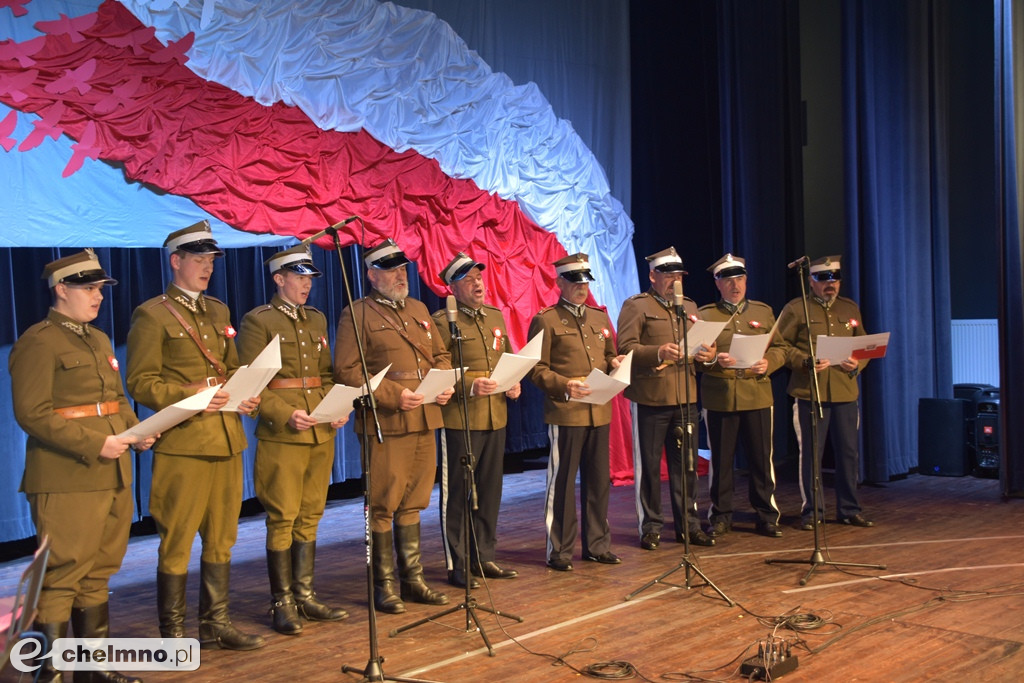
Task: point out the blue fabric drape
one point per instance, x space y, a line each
897 260
1011 299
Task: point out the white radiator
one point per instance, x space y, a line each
976 352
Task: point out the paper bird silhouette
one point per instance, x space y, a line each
22 51
6 128
15 84
17 6
46 127
77 79
120 96
135 40
83 149
72 26
175 49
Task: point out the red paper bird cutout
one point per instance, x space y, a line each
135 40
83 149
77 79
6 128
69 25
14 84
46 127
120 96
175 49
22 51
17 6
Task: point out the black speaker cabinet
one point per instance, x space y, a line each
942 437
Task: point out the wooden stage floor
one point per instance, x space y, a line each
948 606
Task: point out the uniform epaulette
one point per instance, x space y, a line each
213 298
155 301
637 296
545 309
492 308
751 302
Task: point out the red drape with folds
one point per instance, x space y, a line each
105 81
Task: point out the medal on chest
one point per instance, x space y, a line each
426 328
496 344
113 363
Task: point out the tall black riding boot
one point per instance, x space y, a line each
282 608
52 631
170 604
215 628
385 594
407 543
303 560
94 622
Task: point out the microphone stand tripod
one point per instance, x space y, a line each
817 558
468 461
685 438
373 670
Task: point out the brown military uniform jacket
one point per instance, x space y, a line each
484 339
305 353
729 390
645 323
53 366
572 348
407 339
841 319
163 358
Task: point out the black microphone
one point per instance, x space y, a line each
329 230
677 296
451 311
800 261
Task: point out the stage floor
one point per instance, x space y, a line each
949 604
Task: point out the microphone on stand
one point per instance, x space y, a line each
328 230
800 261
677 296
451 311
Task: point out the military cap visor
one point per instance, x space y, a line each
300 262
195 239
577 276
459 267
734 271
385 256
82 268
827 275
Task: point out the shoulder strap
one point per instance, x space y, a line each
221 370
429 355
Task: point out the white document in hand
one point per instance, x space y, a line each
436 382
837 349
340 400
604 388
250 380
702 333
747 349
172 415
512 367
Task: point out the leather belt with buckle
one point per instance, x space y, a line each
89 410
294 383
208 382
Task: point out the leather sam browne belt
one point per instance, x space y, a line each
89 410
294 383
398 374
208 382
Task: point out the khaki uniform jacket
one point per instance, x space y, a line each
729 390
162 358
484 339
644 325
304 353
841 319
53 367
382 330
571 349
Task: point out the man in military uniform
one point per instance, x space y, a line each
738 402
67 396
834 316
182 342
397 331
484 340
577 339
295 454
649 327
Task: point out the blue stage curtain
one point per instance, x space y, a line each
1009 155
897 259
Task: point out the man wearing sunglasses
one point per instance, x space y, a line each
835 316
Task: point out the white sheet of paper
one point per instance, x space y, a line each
604 388
512 367
339 401
436 382
747 349
703 333
837 349
250 380
172 415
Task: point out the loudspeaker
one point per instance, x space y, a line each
942 437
